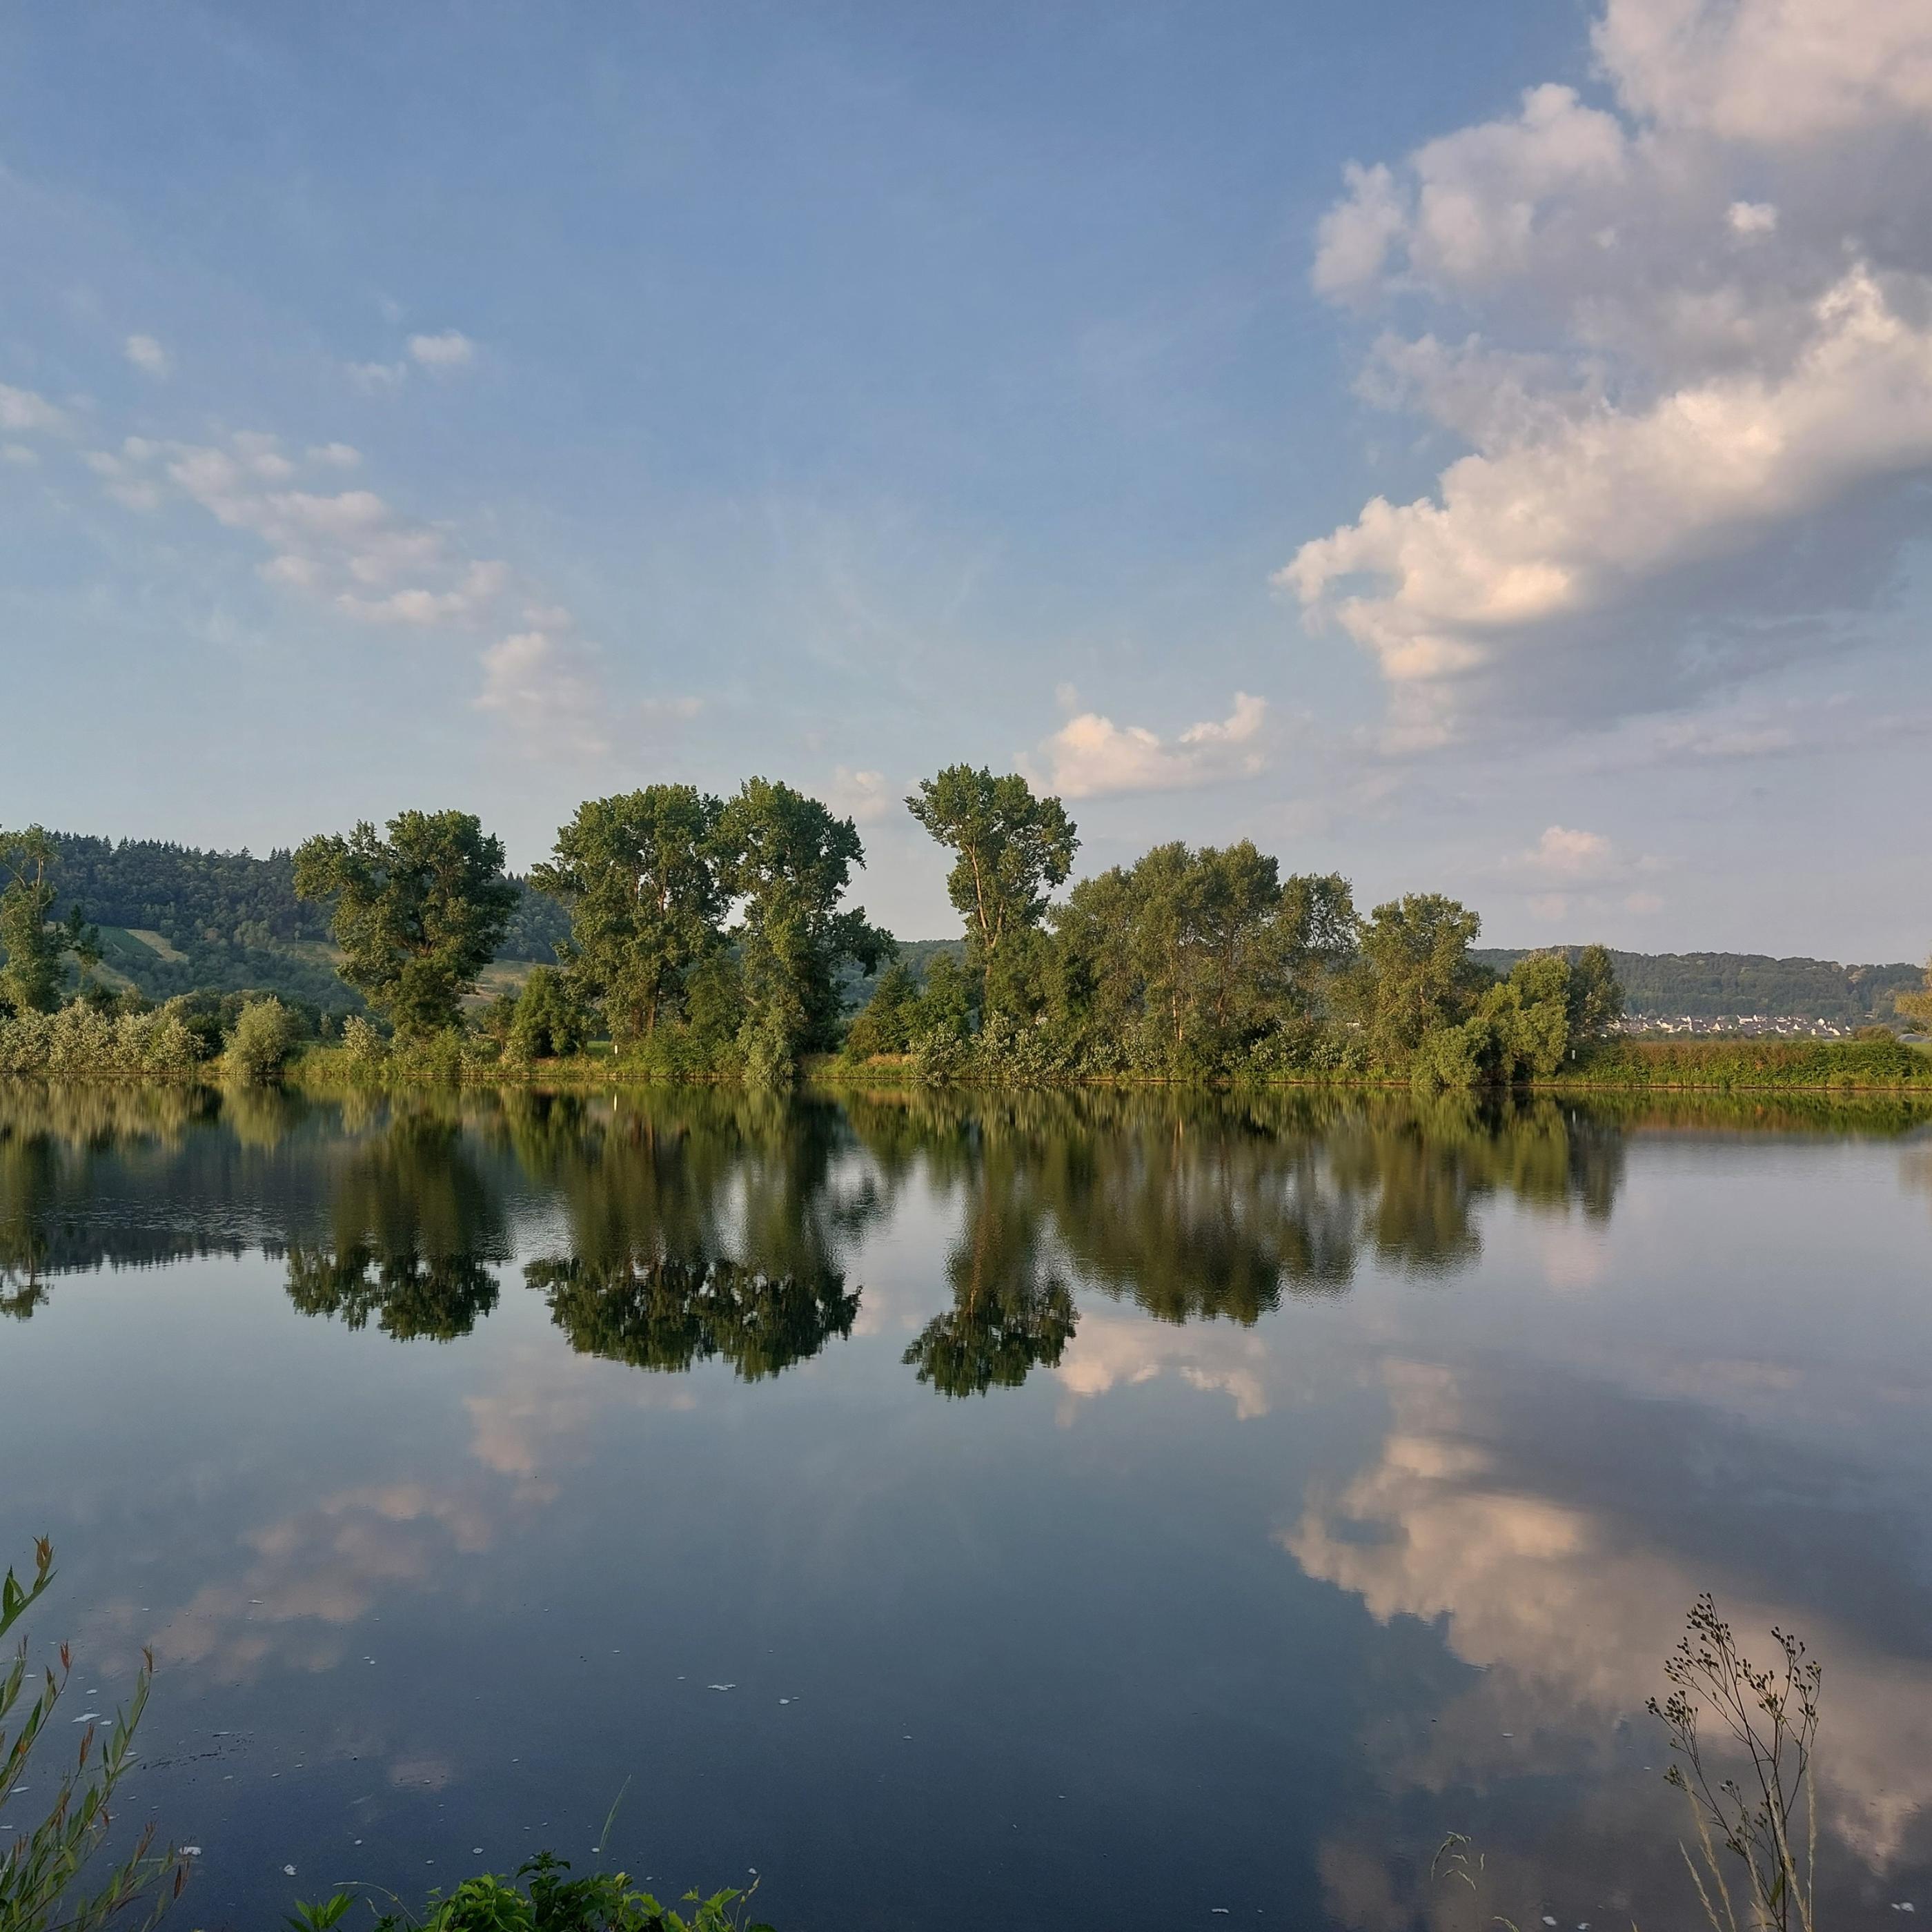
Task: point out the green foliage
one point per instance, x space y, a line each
265 1034
1013 847
35 949
80 1042
668 1315
548 1019
1916 1007
639 874
1713 985
1415 975
43 1871
418 913
539 1898
787 862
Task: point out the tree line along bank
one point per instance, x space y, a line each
710 937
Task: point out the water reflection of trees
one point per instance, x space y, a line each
415 1228
1197 1206
700 1225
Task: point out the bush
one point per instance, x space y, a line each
547 1902
549 1020
363 1043
264 1037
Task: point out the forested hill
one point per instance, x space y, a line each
1714 986
174 918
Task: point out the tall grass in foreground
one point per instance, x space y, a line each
1769 1718
43 1872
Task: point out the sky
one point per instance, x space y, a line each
1484 449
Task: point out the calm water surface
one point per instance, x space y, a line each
1028 1511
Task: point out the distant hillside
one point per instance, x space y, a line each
1714 986
174 918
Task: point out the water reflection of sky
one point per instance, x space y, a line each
1103 1510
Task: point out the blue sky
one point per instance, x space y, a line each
1478 449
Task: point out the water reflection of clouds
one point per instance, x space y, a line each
1109 1351
321 1569
1570 1607
540 1408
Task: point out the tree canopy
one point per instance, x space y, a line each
36 949
639 874
1013 848
418 913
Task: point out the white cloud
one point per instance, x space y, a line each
377 378
1718 322
1771 73
461 603
349 547
18 453
335 455
1091 756
861 795
24 412
1567 522
545 689
441 354
1751 218
1561 853
147 355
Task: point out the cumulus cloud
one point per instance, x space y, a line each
1711 329
443 353
1568 871
543 687
26 412
1091 756
377 378
146 355
863 796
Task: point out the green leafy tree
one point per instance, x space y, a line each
787 862
36 949
639 874
1593 1002
887 1023
418 913
1415 975
548 1019
1014 848
1917 1007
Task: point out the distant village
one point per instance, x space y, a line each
1781 1026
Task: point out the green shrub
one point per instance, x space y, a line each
548 1020
263 1038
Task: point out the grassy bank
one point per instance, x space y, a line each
1762 1065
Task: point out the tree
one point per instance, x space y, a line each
638 872
35 949
1594 1000
547 1019
418 913
787 861
1916 1008
1416 972
1013 849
